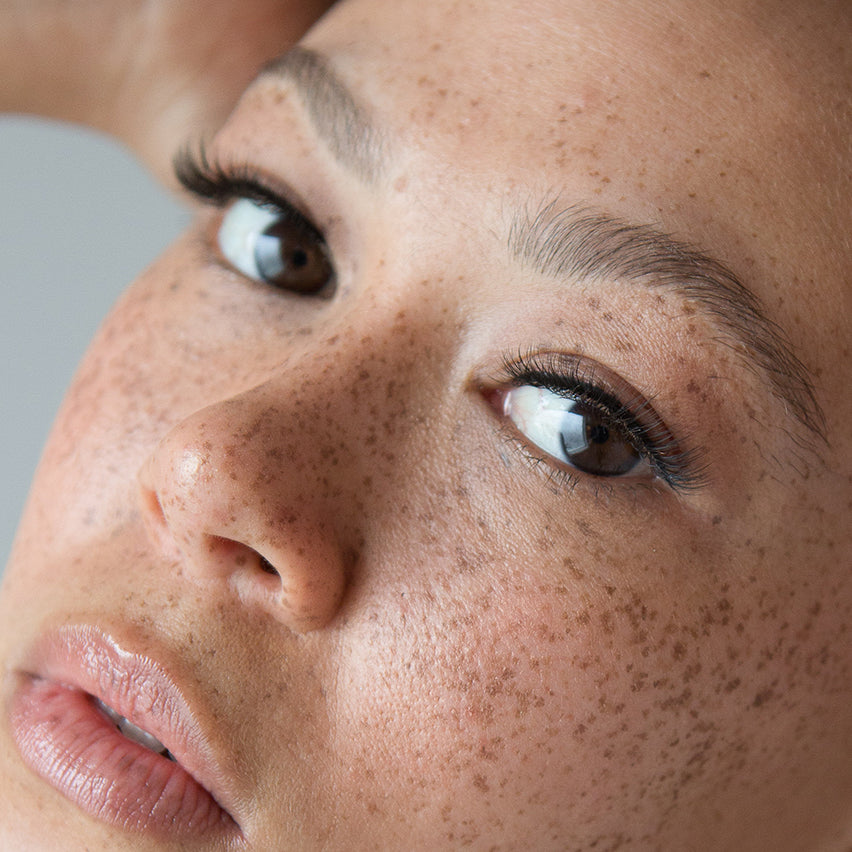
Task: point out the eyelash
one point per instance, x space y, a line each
584 381
565 375
218 184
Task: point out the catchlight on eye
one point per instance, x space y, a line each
571 431
274 246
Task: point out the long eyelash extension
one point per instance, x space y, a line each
576 378
218 184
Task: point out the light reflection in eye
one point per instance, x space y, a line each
573 432
275 246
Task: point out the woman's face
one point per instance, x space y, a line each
522 531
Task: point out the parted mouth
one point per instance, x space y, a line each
111 730
134 733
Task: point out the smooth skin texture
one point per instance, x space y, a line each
460 649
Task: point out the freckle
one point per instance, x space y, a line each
480 783
762 697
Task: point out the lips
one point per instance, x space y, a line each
90 717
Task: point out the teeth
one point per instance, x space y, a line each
132 732
139 736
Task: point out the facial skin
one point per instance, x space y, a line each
460 648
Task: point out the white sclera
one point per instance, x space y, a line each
547 420
239 231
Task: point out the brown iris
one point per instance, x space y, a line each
292 256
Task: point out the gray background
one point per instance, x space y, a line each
78 220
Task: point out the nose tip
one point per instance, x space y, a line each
234 532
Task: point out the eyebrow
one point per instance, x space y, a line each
579 243
583 244
338 118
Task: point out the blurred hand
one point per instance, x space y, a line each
151 72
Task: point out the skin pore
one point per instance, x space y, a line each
398 623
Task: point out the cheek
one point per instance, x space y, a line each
169 347
108 421
539 698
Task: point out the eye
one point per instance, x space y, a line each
276 245
585 418
573 432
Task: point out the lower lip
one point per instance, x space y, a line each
66 740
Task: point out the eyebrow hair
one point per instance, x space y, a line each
578 242
338 118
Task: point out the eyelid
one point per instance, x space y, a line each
218 183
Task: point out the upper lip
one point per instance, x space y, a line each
137 687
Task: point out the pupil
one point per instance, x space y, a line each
299 258
592 444
597 433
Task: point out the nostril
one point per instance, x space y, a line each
236 557
267 567
240 555
157 524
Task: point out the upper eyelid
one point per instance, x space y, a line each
217 183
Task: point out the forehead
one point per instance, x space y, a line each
675 101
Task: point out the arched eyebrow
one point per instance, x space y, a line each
345 126
577 243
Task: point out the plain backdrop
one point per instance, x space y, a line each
78 220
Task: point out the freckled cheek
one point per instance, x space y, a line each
108 421
520 699
169 347
119 405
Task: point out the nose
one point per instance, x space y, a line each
229 495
